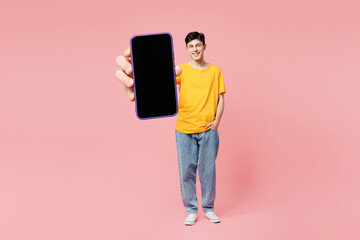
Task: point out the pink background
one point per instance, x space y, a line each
76 163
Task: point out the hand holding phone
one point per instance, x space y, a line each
125 74
154 75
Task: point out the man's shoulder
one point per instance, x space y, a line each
215 67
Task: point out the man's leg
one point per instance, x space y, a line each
208 150
187 159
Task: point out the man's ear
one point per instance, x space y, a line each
205 46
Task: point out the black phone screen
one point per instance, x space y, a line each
154 75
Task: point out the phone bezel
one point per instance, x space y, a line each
134 77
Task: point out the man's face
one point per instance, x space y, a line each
196 49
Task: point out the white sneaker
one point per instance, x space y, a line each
212 217
190 220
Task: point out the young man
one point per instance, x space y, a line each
201 105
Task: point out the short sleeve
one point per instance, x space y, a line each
221 83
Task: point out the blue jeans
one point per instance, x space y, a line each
197 151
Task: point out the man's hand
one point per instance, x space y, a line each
213 125
124 74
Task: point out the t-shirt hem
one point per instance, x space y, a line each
192 132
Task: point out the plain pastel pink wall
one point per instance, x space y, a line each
76 163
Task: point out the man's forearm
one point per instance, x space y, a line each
220 109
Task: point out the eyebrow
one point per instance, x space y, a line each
193 44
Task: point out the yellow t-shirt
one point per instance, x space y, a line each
199 95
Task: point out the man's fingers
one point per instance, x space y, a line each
130 93
125 74
127 52
209 125
125 65
178 70
125 79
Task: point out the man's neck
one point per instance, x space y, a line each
201 64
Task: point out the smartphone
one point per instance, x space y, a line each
152 59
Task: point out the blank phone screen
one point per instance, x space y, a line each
154 76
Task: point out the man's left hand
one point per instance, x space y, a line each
212 125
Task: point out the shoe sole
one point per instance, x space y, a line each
211 220
189 223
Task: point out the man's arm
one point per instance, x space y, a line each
219 112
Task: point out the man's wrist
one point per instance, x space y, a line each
215 124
